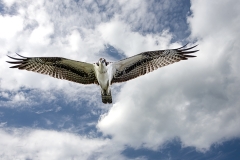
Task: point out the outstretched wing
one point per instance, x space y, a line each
57 67
146 62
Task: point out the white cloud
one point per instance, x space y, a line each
9 3
12 24
119 34
45 144
195 100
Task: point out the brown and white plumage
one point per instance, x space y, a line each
149 61
103 73
58 67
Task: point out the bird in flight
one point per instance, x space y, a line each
103 73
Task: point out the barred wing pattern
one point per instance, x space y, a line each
146 62
57 67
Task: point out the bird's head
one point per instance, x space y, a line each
102 62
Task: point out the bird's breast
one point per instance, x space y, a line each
102 76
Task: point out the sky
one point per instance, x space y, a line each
187 110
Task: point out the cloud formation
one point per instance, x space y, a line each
46 144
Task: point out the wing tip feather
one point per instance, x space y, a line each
186 51
19 61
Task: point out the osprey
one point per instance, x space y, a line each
103 73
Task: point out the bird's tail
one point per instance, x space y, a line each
106 97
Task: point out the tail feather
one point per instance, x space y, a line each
107 98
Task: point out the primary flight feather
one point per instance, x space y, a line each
103 73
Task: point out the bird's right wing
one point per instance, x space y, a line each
57 67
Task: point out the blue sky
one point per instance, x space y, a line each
188 110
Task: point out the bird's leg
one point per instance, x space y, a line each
108 88
104 91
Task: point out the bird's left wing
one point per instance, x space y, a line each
146 62
57 67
